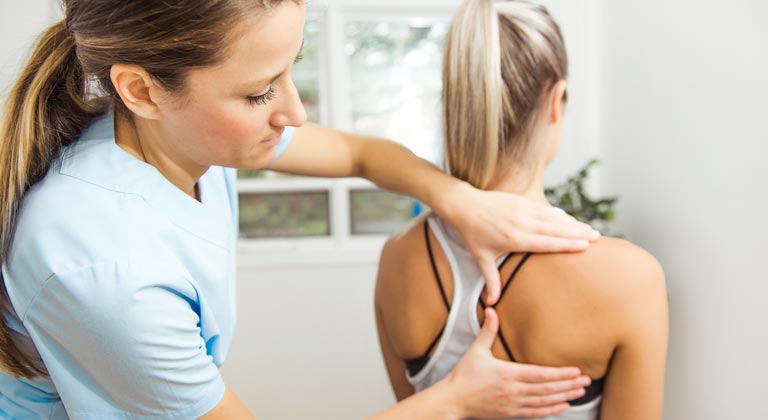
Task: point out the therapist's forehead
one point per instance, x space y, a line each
265 46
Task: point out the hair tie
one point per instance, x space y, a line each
68 27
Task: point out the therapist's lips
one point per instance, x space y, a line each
272 141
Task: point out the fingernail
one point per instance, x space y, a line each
574 371
595 234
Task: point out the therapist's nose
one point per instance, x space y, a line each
289 110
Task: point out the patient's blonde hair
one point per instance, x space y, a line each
502 58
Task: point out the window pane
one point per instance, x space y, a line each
396 82
306 73
266 215
395 90
377 212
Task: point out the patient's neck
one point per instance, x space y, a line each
529 184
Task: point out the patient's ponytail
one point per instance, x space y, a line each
500 60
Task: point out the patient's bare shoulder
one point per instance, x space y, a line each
566 309
612 276
610 264
403 254
620 268
408 298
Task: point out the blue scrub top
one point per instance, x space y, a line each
123 287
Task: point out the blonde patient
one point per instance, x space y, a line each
603 310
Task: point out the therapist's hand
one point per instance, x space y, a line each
492 223
485 387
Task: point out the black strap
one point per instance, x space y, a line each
501 295
594 390
509 279
506 346
434 266
511 276
415 365
505 260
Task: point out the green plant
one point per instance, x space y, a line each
571 197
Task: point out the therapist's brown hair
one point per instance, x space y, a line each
66 84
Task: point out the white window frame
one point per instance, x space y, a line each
340 245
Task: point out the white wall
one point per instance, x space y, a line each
684 142
306 345
20 24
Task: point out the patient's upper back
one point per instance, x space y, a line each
561 309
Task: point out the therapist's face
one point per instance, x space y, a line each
233 113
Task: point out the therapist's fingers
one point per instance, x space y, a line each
545 244
534 374
491 388
566 227
531 412
556 387
552 399
490 271
554 221
487 334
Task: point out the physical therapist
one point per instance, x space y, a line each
119 214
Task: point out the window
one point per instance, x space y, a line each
395 80
375 74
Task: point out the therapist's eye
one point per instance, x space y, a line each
262 99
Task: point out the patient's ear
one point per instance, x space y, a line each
557 102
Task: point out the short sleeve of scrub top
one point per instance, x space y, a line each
124 285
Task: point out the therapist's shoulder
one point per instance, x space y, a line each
63 216
134 330
64 240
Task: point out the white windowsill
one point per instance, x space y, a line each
309 252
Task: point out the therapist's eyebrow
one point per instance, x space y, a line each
295 60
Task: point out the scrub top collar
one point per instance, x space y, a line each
97 159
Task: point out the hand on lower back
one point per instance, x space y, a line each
486 387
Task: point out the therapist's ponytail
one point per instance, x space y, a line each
45 110
67 83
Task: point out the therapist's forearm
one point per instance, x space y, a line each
433 403
321 151
394 167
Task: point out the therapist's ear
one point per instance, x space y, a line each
139 92
557 102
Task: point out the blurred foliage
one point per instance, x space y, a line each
251 173
571 197
289 214
379 211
